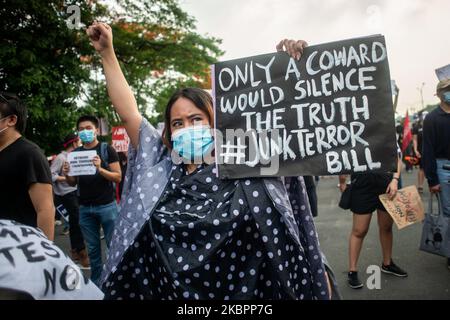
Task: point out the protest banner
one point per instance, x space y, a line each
329 113
81 163
120 139
406 208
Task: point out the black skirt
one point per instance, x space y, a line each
365 191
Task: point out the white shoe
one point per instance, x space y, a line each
58 223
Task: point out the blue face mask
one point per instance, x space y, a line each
446 97
192 143
86 136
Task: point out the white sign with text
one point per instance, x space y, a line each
81 163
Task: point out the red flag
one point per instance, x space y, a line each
407 134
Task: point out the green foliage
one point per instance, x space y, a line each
56 72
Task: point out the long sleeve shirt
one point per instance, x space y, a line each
60 188
436 142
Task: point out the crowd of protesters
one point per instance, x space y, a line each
177 221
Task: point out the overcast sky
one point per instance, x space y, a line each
414 29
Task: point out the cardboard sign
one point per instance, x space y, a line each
406 208
329 113
120 139
81 163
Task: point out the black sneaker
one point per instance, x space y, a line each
448 263
394 269
353 280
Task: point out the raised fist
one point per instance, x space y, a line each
101 37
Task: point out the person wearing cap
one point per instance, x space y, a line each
66 195
25 180
436 148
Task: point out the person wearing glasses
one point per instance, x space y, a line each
25 178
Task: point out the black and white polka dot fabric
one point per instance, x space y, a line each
198 237
213 239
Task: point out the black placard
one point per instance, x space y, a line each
328 113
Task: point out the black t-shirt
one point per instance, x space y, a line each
95 190
418 130
22 163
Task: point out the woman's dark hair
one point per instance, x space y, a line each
89 118
199 97
11 105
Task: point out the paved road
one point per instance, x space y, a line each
428 278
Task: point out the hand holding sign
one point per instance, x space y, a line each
392 189
66 169
97 162
292 47
405 207
82 163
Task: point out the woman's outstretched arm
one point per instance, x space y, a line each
119 91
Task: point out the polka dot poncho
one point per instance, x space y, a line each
194 236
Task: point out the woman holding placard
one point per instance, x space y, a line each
364 195
182 232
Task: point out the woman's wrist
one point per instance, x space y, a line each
108 53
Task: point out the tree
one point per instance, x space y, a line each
56 72
159 51
40 61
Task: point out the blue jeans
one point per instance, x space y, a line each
91 217
444 181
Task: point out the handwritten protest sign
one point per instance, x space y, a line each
406 208
120 139
328 113
81 163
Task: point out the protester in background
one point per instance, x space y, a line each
66 195
25 180
436 148
33 267
312 194
365 189
417 132
184 233
98 206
